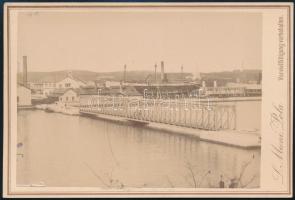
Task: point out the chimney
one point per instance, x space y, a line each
162 71
156 73
125 73
182 72
203 84
25 70
215 83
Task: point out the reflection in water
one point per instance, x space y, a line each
62 150
248 114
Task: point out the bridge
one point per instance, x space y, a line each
190 113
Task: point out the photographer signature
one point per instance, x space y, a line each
277 149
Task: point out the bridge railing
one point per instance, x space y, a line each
191 113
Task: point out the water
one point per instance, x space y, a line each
248 114
61 150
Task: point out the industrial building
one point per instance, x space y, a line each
168 85
231 90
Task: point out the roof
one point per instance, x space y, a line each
74 78
60 92
177 76
111 91
131 91
77 79
88 90
51 77
169 76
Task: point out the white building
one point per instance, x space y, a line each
48 88
109 84
70 97
250 89
70 82
91 83
224 91
24 96
36 86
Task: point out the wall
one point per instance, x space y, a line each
70 98
23 96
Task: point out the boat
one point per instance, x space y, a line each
168 89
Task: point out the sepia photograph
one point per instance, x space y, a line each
137 98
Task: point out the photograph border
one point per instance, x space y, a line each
7 95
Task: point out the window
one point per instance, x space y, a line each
68 84
73 98
17 99
67 98
60 98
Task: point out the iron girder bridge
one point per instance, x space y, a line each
190 113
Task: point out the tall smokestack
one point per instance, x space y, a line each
215 83
125 73
182 72
25 70
156 73
203 84
162 71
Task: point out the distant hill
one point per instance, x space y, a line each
132 76
138 76
243 76
56 76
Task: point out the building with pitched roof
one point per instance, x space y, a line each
70 97
70 82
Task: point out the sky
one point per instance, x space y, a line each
103 41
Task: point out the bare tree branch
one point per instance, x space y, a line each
202 179
192 174
96 175
169 181
250 181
